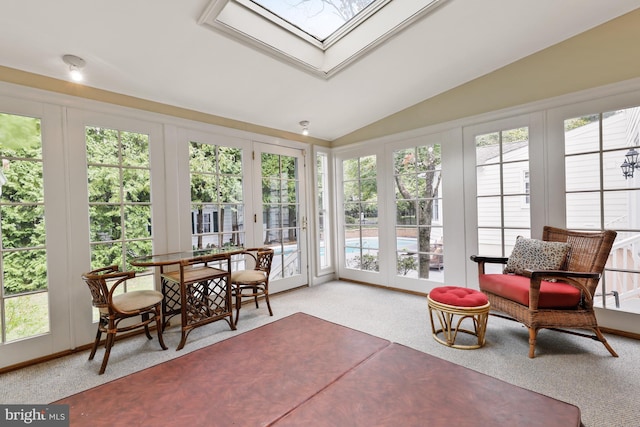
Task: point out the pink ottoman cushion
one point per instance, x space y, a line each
458 297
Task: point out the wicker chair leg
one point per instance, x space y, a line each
107 351
255 296
238 303
603 340
266 298
533 333
159 328
145 317
95 344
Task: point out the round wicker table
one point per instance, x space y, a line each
451 306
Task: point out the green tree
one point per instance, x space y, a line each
119 183
22 205
417 178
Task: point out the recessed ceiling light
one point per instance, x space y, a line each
305 127
75 64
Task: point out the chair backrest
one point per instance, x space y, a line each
97 282
264 258
589 251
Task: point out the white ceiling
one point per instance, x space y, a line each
155 50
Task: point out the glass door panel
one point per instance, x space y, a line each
282 222
24 306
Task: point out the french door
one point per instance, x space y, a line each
280 219
34 308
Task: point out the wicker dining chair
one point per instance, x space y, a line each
535 292
114 308
252 283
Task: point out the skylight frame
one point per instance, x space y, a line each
325 43
382 21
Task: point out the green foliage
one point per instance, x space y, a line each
119 196
27 316
367 262
580 121
406 263
22 206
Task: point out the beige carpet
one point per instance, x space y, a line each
572 369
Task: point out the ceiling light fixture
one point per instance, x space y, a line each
305 127
75 64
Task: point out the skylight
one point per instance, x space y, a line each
318 18
320 36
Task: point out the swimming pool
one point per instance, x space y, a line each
403 244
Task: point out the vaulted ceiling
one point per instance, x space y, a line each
163 51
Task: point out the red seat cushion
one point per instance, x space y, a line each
458 297
516 288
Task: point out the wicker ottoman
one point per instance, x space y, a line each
452 302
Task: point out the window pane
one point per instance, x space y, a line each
22 226
418 184
513 177
104 254
230 161
137 185
217 210
620 128
428 184
582 172
27 316
612 173
137 221
24 271
583 210
119 182
621 210
135 149
102 146
502 189
488 149
105 223
488 180
489 212
516 212
406 212
582 134
490 241
16 173
104 184
360 213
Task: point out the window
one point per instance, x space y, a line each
321 36
360 209
323 219
217 206
501 159
419 244
317 18
119 182
599 196
23 247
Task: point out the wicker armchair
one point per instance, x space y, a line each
561 298
252 283
115 307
